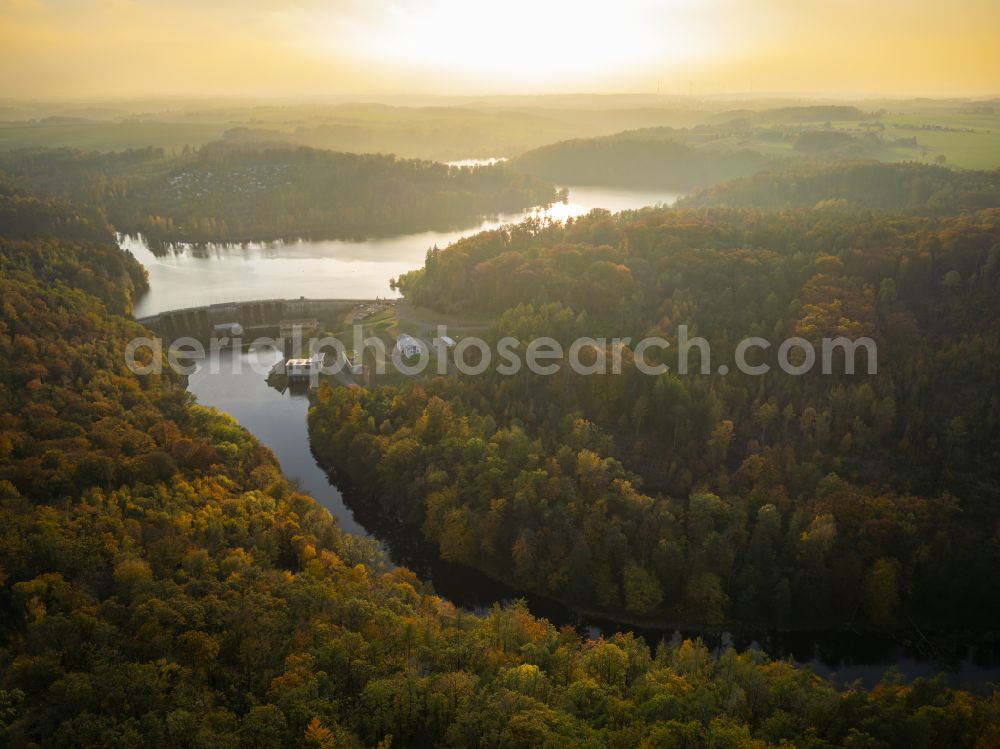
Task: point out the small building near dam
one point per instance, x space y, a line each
303 369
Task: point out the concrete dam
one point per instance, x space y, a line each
259 317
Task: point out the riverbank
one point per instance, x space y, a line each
844 652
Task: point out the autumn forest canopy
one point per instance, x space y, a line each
786 534
709 500
164 584
270 191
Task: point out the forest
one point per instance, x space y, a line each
844 500
641 158
918 189
163 584
258 191
435 374
683 159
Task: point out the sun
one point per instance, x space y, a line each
521 44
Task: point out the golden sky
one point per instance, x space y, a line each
127 48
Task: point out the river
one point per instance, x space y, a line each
186 277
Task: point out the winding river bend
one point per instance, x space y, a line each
185 277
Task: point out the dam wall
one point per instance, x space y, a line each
258 317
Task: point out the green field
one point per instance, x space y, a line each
976 150
979 149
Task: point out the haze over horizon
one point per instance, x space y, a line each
132 48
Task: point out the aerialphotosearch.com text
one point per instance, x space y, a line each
472 355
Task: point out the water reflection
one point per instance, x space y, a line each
345 269
472 163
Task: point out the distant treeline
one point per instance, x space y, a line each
641 158
907 188
45 240
260 192
812 113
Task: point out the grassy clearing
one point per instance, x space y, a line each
978 149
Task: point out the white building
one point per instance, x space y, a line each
408 346
303 369
445 340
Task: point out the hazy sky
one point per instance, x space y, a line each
80 48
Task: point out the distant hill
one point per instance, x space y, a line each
812 113
653 157
906 188
786 115
228 192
